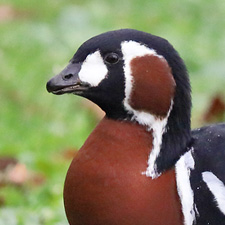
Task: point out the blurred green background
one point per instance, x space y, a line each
41 131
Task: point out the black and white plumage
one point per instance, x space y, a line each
207 177
106 70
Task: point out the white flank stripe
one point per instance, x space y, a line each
93 69
216 186
183 167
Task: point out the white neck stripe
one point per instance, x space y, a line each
131 50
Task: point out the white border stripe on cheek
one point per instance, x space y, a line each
93 69
131 50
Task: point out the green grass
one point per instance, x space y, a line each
39 40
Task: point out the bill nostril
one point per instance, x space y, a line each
68 76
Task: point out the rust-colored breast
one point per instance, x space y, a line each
105 184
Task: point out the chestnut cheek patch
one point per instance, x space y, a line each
153 85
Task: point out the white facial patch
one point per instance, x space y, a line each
93 69
131 50
217 188
183 168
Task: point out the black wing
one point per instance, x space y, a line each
208 177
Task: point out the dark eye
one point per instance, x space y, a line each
111 58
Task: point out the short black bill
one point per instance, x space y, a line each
67 81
